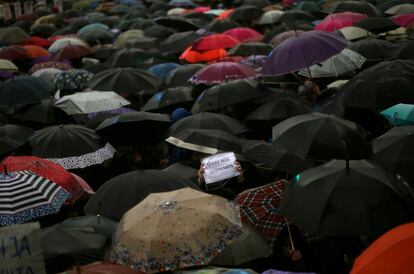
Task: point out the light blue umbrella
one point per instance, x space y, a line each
162 70
400 114
92 27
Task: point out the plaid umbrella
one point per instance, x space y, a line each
25 196
260 206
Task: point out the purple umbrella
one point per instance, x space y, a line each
303 50
222 72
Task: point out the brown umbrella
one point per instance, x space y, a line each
176 229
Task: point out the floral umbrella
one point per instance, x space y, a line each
176 229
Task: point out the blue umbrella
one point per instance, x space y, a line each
92 27
400 114
162 70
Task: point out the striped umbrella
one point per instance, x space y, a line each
25 196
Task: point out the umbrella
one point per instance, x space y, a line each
250 48
327 137
226 94
178 42
207 225
72 80
33 52
162 70
48 170
192 56
399 114
294 17
50 64
210 141
118 195
102 267
245 13
381 86
344 63
259 207
176 22
101 225
270 17
182 170
91 101
43 113
222 72
142 42
126 36
47 74
257 3
180 76
207 120
43 30
132 127
8 65
219 26
13 137
12 52
215 41
64 42
400 9
169 99
404 20
38 41
376 50
337 21
274 156
303 50
384 254
354 33
72 52
244 34
126 58
376 24
71 146
279 38
26 196
181 3
353 6
392 150
159 32
13 35
124 81
23 90
346 198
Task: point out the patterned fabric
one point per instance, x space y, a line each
89 159
25 196
260 207
72 80
51 64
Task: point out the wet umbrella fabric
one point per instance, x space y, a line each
358 198
26 196
376 24
170 98
102 267
178 42
116 196
13 35
72 80
353 6
222 72
336 21
13 137
399 115
251 48
376 50
180 76
215 41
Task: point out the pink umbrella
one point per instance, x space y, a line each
404 20
244 34
336 21
222 72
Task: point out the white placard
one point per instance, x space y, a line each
17 10
219 167
58 4
7 14
28 7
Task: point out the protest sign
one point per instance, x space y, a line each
219 167
7 14
20 250
58 4
28 7
41 2
17 10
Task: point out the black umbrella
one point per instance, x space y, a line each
13 35
376 24
96 68
178 42
323 137
101 225
43 30
126 57
220 25
159 32
159 5
180 76
257 3
381 86
291 18
245 13
275 157
251 48
167 100
207 120
133 127
270 34
23 90
177 22
97 36
142 42
394 151
124 81
347 198
384 5
13 137
118 195
184 171
353 6
226 94
406 50
376 50
141 23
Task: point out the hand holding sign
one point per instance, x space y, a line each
219 167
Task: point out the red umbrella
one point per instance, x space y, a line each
222 72
336 21
37 41
225 14
215 41
192 56
244 34
33 51
49 170
12 52
404 20
72 52
260 206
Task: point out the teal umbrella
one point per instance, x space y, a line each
400 114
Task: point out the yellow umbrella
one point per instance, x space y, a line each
8 65
176 229
47 19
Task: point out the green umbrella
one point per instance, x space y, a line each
399 114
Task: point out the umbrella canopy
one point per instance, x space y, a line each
102 268
250 48
71 146
376 50
207 225
399 114
270 17
124 81
337 21
347 62
8 65
222 72
384 255
50 64
400 9
13 35
381 86
376 24
192 56
72 52
90 101
12 52
219 26
244 34
23 90
13 137
178 42
245 13
226 94
210 141
180 76
327 137
168 100
162 70
72 80
346 198
48 170
215 41
64 42
126 57
404 20
43 113
279 38
26 196
116 196
353 6
207 120
33 52
178 23
259 207
303 50
392 150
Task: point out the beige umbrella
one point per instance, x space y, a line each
129 35
176 229
354 33
8 65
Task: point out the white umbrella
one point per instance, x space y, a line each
91 101
270 17
354 33
64 42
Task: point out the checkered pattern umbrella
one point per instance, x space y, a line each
260 206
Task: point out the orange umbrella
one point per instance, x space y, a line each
225 14
393 253
192 56
33 51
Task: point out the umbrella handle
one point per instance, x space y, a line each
290 235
